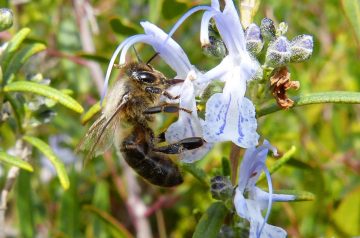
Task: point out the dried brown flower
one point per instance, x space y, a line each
280 83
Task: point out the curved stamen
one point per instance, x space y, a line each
140 38
204 29
184 17
268 178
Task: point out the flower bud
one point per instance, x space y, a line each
267 29
216 48
254 41
282 29
221 188
6 19
278 53
301 48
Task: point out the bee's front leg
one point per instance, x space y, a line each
184 144
156 90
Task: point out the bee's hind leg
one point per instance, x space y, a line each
184 144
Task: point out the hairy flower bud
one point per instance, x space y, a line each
216 48
254 41
267 29
278 53
6 19
301 48
221 188
282 29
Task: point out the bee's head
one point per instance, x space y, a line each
145 75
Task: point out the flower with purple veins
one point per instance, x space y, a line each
250 200
229 115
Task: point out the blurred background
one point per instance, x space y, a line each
105 197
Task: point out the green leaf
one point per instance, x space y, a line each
155 7
123 26
25 205
47 151
13 45
211 221
93 110
118 228
100 200
198 173
15 161
70 208
172 9
46 91
20 58
352 11
315 98
225 165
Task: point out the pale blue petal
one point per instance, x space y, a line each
252 165
215 4
230 29
268 231
262 197
188 125
231 117
240 204
250 210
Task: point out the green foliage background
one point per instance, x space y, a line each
327 137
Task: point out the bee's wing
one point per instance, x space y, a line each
100 135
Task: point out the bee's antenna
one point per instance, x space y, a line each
137 55
152 58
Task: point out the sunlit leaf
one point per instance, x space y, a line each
155 7
211 221
352 11
46 91
20 58
15 161
13 45
89 114
48 152
299 195
116 226
347 215
93 57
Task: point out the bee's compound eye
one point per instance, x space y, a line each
146 77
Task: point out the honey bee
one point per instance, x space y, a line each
130 106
